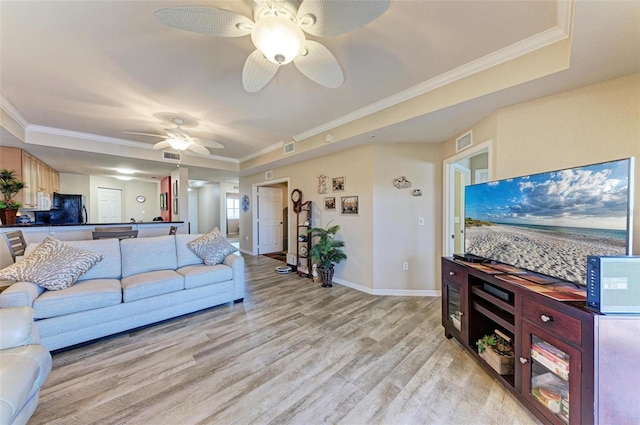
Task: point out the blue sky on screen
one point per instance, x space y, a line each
594 196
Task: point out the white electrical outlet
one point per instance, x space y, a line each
405 265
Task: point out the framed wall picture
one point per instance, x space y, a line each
323 183
349 205
163 201
330 203
337 183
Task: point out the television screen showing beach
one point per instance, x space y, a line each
550 222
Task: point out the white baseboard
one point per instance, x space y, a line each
394 292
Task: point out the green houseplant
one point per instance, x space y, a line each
10 186
326 251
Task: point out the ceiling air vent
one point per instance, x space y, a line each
289 147
464 141
171 156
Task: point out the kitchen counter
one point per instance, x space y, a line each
34 233
128 223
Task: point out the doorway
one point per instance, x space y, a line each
193 213
270 220
262 238
468 167
109 205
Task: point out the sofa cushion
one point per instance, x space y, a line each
83 296
54 265
145 285
186 256
142 255
109 267
201 275
212 247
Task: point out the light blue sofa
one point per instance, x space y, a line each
138 282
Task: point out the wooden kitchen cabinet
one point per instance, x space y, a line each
37 175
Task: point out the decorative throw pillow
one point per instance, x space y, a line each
212 247
53 265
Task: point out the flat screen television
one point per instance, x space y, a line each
550 222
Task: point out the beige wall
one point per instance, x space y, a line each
385 232
397 237
592 124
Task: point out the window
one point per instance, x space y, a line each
233 208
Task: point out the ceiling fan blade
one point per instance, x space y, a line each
177 132
145 134
205 20
324 18
320 65
199 149
257 72
210 143
161 145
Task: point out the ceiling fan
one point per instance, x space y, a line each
178 139
277 32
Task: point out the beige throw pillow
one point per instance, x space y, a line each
212 247
53 265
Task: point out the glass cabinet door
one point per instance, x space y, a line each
454 306
551 374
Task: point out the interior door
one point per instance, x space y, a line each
109 205
269 220
461 178
193 213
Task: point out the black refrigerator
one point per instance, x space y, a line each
65 209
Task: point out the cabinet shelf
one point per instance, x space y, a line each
493 299
501 318
304 221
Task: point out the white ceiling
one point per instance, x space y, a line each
106 67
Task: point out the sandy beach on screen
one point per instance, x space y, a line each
556 254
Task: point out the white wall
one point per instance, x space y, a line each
130 191
208 207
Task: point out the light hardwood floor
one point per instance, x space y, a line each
292 353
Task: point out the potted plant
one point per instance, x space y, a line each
497 351
10 186
326 251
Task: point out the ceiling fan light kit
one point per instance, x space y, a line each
279 39
179 144
277 33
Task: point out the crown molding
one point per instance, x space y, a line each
562 30
111 140
13 112
264 151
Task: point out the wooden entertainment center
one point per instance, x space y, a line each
571 365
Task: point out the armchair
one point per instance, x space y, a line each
24 365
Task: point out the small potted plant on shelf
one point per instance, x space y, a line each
10 186
326 251
497 350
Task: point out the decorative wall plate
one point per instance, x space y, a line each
401 182
140 198
245 203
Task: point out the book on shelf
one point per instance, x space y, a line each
551 362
